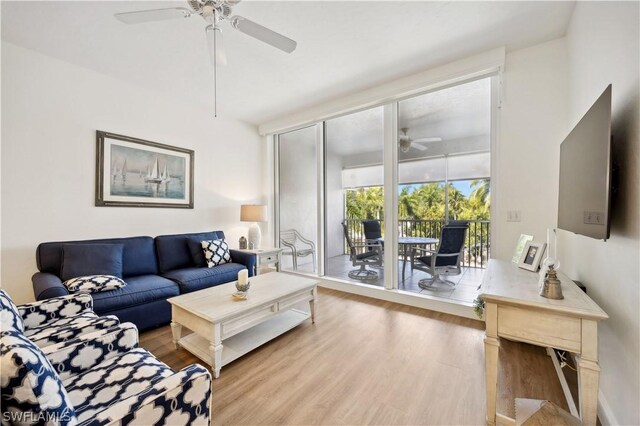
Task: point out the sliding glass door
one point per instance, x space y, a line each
298 199
354 178
431 153
444 169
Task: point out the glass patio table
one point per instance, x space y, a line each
407 243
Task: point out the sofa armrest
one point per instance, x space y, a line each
38 313
243 258
46 286
75 356
183 398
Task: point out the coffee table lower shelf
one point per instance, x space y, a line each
246 341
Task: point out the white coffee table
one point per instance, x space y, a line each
225 328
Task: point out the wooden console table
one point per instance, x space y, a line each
515 310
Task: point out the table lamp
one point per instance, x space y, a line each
253 213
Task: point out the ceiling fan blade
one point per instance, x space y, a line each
426 140
142 16
215 43
263 34
419 147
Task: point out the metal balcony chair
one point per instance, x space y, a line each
372 256
297 246
445 260
372 230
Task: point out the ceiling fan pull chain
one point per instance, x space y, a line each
215 74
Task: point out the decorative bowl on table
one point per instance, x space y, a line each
240 295
243 287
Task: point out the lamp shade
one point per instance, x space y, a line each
253 213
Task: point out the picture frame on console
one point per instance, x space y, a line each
532 255
132 172
522 241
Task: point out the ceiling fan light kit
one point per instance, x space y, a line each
213 12
405 145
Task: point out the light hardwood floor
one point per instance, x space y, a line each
465 290
368 361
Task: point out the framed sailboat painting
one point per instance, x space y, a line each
133 172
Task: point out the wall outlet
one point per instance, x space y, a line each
593 218
513 216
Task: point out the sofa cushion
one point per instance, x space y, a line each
175 251
29 383
114 380
138 291
94 284
10 318
216 252
138 256
197 254
91 259
192 279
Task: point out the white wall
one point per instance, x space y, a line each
50 112
603 43
532 122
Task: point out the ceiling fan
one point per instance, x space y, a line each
406 143
213 12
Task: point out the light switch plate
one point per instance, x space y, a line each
513 216
593 218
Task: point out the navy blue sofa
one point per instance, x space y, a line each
154 270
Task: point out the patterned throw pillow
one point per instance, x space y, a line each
216 252
10 318
94 284
31 388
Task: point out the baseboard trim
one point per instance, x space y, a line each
402 297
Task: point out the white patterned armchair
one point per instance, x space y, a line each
54 320
99 378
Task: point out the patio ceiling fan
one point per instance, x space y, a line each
213 12
405 143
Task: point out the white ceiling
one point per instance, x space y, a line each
343 47
460 112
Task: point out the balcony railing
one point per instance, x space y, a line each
477 246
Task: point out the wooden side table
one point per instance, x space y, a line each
265 257
514 310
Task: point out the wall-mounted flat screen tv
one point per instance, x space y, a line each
585 173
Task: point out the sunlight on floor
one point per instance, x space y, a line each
465 290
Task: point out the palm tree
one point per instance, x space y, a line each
365 203
457 202
430 201
481 191
407 204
